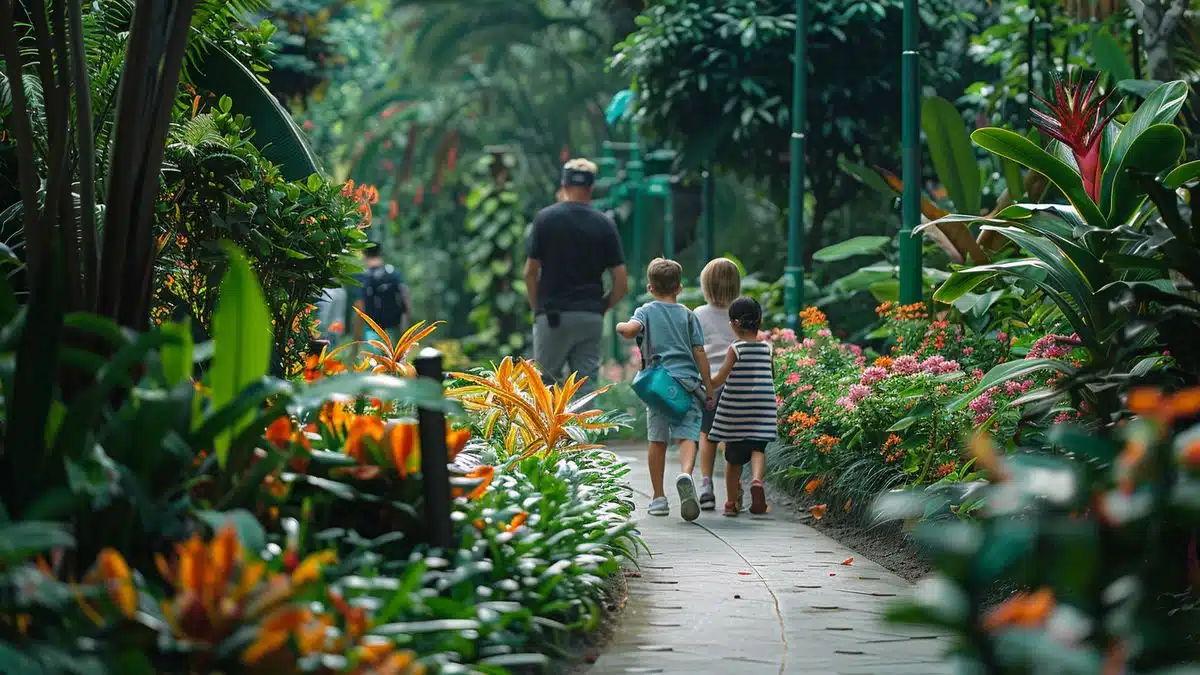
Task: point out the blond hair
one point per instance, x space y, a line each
580 164
665 276
720 282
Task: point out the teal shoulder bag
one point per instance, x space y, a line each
655 386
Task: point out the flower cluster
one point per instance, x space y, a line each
811 317
826 443
890 450
366 196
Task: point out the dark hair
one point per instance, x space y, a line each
373 251
746 313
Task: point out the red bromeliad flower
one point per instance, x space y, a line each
1077 121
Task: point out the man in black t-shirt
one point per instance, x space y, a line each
571 246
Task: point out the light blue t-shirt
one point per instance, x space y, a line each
673 334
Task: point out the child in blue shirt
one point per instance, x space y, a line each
678 341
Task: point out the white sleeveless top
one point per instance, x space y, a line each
718 334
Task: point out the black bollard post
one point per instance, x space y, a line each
434 457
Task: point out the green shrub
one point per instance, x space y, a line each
301 237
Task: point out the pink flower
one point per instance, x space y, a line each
793 378
1012 388
858 392
824 332
1026 385
856 350
778 401
846 403
873 374
977 374
983 407
860 361
804 388
308 125
809 343
812 398
806 362
905 365
967 351
1002 337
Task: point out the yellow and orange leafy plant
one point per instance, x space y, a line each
542 418
218 590
387 356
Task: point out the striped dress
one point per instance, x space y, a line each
747 410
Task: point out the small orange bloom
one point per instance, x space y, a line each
884 362
517 521
1190 455
1023 610
279 433
813 485
848 561
818 511
113 572
362 428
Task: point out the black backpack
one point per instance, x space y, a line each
383 295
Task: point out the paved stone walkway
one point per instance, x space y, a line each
756 595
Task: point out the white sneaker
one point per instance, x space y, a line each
659 507
689 508
708 500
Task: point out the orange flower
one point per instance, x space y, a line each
818 511
813 485
1164 409
280 432
848 561
825 443
111 571
404 443
1190 455
884 362
517 521
1023 610
363 428
456 440
811 317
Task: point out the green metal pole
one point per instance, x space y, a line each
710 216
793 285
612 315
633 173
668 224
910 244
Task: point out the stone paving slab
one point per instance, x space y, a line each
756 595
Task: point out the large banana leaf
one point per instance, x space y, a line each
1161 107
953 156
275 132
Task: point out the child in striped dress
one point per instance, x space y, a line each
746 417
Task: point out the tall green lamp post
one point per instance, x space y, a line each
793 274
910 209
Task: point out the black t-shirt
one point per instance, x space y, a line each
575 244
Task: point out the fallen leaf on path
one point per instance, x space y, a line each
848 561
633 574
818 511
832 574
746 573
849 503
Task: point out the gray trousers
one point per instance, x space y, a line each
574 344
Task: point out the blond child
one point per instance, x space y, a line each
678 344
720 282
